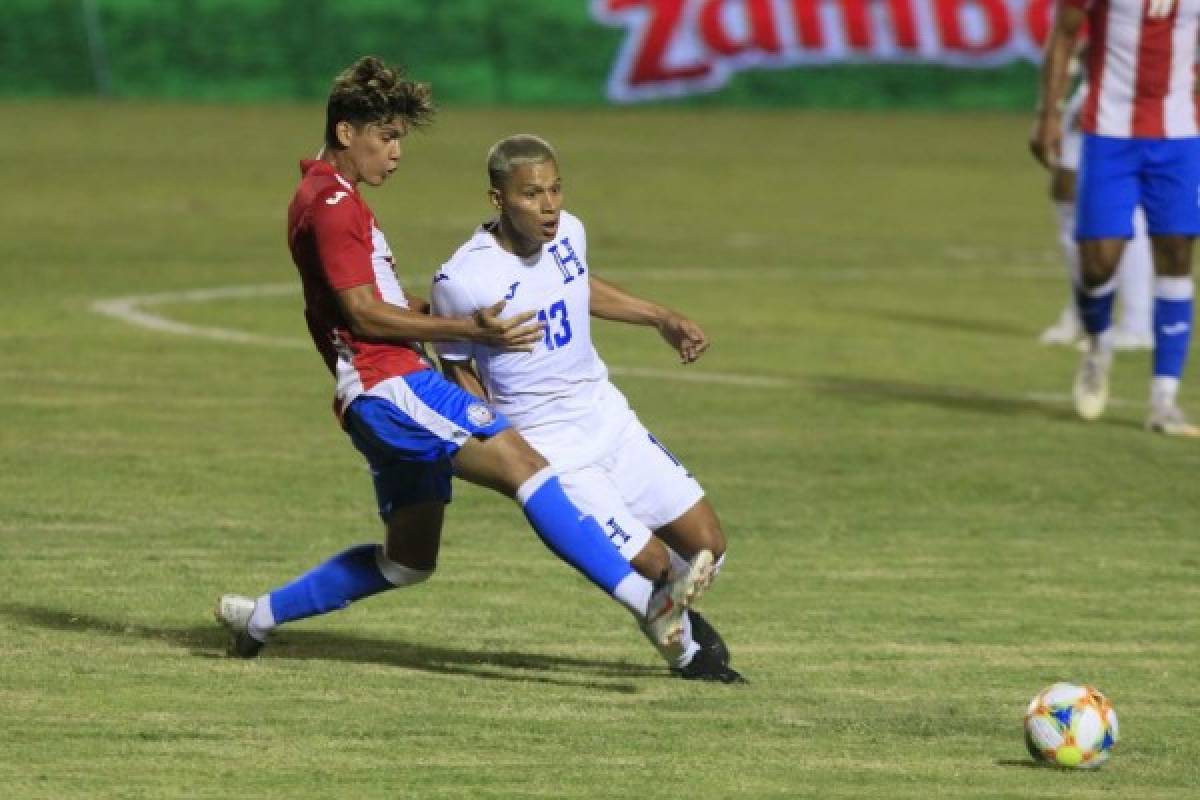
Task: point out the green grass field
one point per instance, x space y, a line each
922 535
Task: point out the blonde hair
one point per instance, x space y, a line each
514 151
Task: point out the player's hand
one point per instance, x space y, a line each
519 333
1045 140
688 338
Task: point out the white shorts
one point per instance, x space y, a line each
637 488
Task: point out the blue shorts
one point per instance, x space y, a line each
1117 175
409 428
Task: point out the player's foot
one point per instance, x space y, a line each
707 637
1126 339
704 666
664 617
1065 331
1091 383
234 611
1169 420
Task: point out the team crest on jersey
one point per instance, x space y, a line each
480 415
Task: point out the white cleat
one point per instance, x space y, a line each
1091 384
1123 339
664 617
1169 420
1066 331
234 612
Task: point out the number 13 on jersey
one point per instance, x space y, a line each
555 323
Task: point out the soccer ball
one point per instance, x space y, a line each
1070 726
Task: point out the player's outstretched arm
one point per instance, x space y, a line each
371 318
614 303
1045 140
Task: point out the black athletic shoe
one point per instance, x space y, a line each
704 667
707 637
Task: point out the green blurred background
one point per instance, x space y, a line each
497 52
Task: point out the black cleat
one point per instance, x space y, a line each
707 637
704 667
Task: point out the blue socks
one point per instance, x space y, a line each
573 536
350 575
1172 324
1096 306
356 573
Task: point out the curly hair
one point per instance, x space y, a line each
369 91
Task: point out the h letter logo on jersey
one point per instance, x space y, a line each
336 198
564 258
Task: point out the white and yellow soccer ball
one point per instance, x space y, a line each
1072 726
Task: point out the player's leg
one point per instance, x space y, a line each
506 463
1170 181
593 490
661 494
411 497
1067 329
1106 198
1134 329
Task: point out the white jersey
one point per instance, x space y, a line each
558 396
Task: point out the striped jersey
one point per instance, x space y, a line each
336 245
1140 68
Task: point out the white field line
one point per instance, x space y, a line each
132 310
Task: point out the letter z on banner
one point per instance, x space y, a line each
681 47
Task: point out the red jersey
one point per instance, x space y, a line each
336 245
1140 68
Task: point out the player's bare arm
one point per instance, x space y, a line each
611 302
463 373
1045 141
371 318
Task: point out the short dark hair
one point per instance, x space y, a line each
369 91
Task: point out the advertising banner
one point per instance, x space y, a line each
972 54
681 47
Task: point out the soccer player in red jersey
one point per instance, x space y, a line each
415 428
1141 147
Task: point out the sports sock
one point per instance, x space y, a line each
580 541
1172 329
350 575
1135 280
1064 214
1095 306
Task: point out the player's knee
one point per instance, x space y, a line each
1172 255
399 574
520 460
712 538
652 561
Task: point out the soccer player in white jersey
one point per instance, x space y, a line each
413 426
534 258
1134 329
1141 146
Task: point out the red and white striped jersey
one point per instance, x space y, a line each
1141 68
336 245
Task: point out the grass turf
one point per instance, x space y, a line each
922 535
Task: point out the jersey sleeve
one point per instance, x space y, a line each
451 297
343 241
